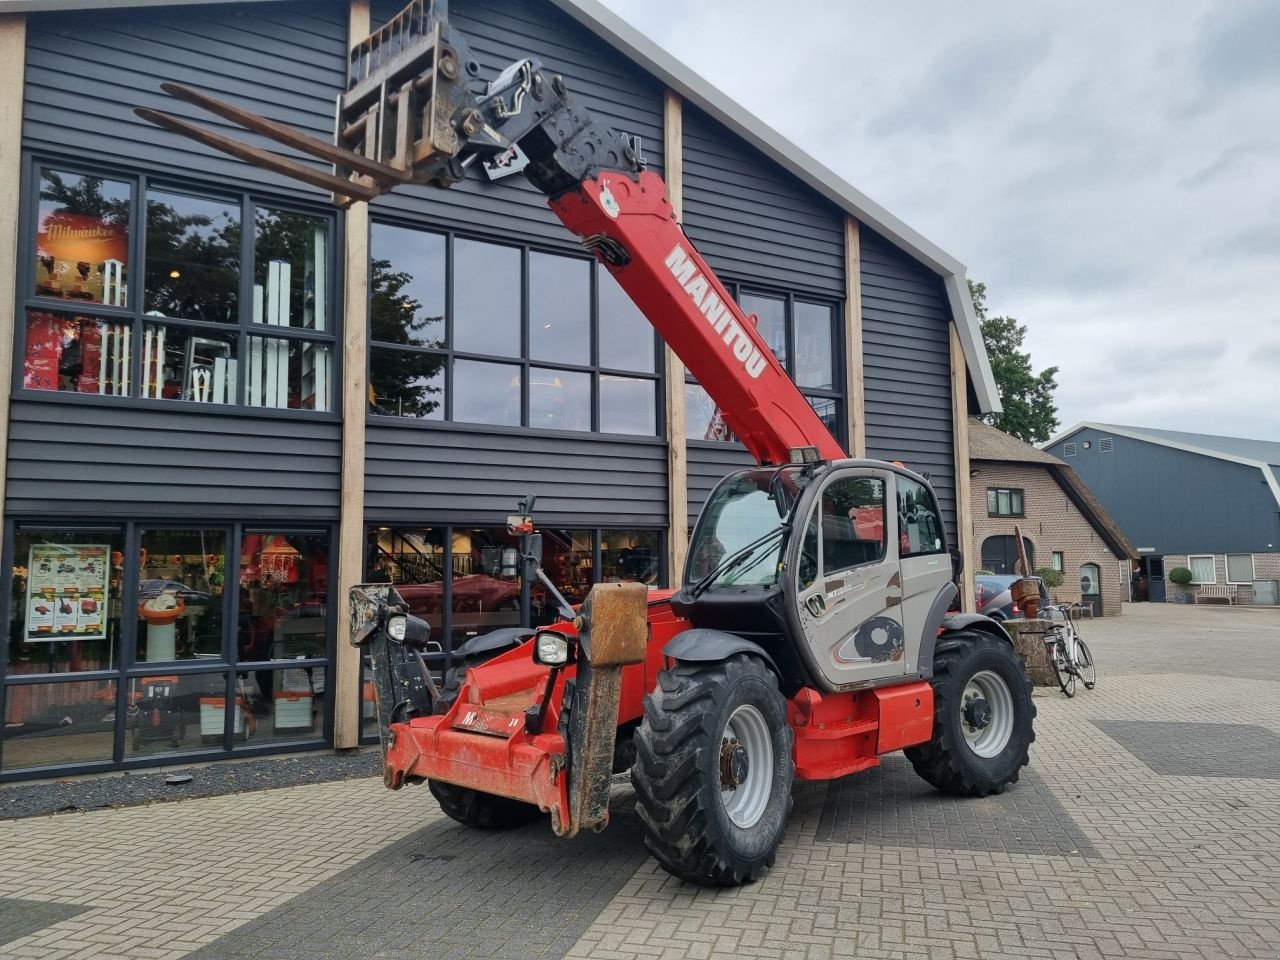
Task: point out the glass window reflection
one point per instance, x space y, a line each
82 239
814 356
559 309
771 313
559 399
486 298
407 286
193 257
404 383
626 337
180 595
628 405
486 393
291 270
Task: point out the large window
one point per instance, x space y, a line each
1239 568
803 335
1202 569
143 288
141 640
1004 502
486 333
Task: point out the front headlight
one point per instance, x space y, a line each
398 626
551 649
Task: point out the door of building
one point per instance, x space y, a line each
1091 587
1000 554
1148 580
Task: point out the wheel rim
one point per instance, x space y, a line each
986 713
746 738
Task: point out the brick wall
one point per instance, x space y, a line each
1266 566
1052 523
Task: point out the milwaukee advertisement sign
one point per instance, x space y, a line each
77 238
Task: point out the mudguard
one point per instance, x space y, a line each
947 595
971 621
712 646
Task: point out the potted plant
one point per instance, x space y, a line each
1182 577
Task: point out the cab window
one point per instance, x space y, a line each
919 522
852 520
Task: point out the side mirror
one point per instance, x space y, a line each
532 553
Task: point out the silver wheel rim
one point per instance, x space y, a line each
745 803
987 741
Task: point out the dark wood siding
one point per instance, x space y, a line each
752 220
907 366
471 476
87 70
501 32
92 461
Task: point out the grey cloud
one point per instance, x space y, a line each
1240 46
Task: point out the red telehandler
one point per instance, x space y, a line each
811 634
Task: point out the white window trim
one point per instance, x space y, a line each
1253 567
1213 563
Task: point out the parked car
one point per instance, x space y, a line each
995 600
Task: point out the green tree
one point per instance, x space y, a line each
1027 397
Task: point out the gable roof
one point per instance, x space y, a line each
1262 454
649 56
986 443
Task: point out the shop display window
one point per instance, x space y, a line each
77 353
560 309
182 363
628 405
486 582
82 240
559 399
486 298
289 374
486 392
283 703
192 257
58 724
191 336
180 595
631 555
290 270
626 337
64 608
534 339
404 383
284 587
163 713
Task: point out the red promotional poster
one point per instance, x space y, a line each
44 352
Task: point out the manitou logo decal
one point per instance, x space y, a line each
715 310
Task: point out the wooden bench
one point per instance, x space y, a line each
1216 592
1075 605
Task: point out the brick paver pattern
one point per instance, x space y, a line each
1104 850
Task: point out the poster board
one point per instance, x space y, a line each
67 591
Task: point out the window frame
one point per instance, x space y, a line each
243 329
1253 568
1022 501
1212 563
522 361
1058 561
736 290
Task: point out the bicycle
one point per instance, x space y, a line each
1069 655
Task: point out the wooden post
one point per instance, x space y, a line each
964 496
677 458
853 338
355 404
13 53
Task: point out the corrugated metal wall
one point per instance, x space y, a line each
907 366
87 70
90 461
501 32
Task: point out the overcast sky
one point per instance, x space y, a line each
1110 170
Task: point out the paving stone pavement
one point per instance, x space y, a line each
1130 857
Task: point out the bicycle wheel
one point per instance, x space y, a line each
1084 664
1062 668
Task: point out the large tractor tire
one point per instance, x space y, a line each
713 771
982 717
482 811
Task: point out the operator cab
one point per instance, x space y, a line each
836 569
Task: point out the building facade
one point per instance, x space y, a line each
1064 528
1207 503
229 401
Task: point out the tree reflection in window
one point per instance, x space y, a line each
402 383
193 258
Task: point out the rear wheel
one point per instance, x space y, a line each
1084 663
982 719
713 771
1061 669
483 811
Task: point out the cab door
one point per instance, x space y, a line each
923 559
849 587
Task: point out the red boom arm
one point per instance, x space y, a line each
680 295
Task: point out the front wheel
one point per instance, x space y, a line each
982 717
1084 663
713 771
